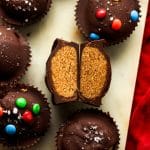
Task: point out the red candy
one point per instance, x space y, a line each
116 24
27 116
1 112
100 13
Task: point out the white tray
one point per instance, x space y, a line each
60 23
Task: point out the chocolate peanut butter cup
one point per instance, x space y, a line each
14 57
62 71
95 72
24 117
78 72
23 12
112 20
88 130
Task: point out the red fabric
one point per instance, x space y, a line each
139 128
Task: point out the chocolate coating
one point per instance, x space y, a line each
23 11
120 9
14 56
28 133
88 130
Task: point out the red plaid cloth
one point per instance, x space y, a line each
139 128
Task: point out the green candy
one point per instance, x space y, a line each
36 109
21 102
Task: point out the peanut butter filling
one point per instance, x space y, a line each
64 71
93 72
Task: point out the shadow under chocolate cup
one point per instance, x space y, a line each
15 57
26 110
88 129
111 20
21 13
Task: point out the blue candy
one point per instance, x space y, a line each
10 129
94 36
134 15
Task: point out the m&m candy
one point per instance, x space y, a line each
100 13
94 36
36 109
27 117
21 102
1 112
10 129
116 24
134 15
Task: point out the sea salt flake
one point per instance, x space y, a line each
97 139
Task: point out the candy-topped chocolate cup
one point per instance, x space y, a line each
27 111
111 20
23 12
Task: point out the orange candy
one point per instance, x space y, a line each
116 24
